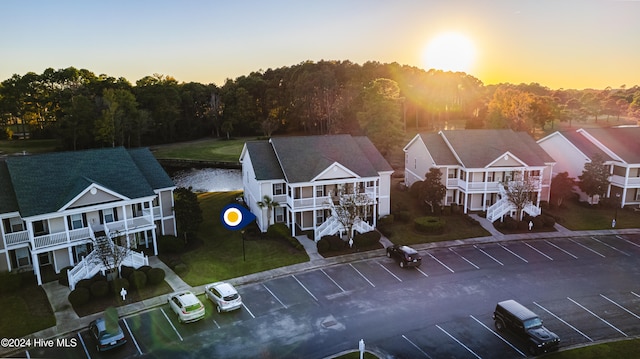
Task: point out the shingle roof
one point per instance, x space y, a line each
302 158
45 183
438 149
623 141
8 201
584 145
264 161
478 148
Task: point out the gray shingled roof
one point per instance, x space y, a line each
302 158
44 183
584 145
264 161
623 141
8 201
478 148
438 149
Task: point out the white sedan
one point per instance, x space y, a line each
187 306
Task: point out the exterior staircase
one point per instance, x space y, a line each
332 226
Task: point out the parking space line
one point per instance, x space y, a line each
610 246
553 245
248 311
388 271
437 260
423 273
26 352
461 256
362 275
621 307
636 294
417 347
218 325
537 250
171 324
560 319
459 342
628 241
269 290
498 335
587 248
303 287
334 282
487 254
83 346
124 320
595 315
512 252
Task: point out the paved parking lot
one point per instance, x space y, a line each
579 313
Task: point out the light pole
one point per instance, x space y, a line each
617 205
244 257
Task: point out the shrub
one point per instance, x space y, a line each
548 221
118 283
125 271
137 280
144 269
335 243
99 288
323 245
181 268
79 296
63 278
84 283
155 276
366 239
386 220
170 244
538 222
402 216
9 281
431 225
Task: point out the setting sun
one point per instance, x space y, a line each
449 52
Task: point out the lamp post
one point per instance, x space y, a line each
617 205
244 257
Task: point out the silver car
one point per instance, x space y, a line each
224 296
187 306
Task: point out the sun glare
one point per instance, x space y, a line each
449 52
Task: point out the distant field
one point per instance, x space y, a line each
29 146
206 150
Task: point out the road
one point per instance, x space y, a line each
586 289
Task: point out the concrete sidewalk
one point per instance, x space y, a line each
68 321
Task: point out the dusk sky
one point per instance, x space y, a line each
557 43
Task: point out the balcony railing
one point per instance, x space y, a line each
61 237
17 237
135 223
620 181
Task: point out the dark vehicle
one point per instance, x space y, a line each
524 323
107 338
407 256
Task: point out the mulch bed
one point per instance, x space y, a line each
96 305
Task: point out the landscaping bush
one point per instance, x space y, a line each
366 239
137 280
63 278
549 221
125 271
144 269
170 244
386 220
84 283
118 283
538 222
79 296
323 245
335 243
99 288
181 268
431 225
510 224
155 276
9 282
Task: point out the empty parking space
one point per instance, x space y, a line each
502 254
526 252
374 273
76 350
318 283
453 261
613 246
435 343
580 249
347 277
289 291
478 257
153 330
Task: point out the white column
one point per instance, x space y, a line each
36 267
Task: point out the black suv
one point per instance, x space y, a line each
407 256
515 317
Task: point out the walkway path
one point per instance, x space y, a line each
68 321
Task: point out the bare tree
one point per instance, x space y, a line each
351 208
110 253
518 192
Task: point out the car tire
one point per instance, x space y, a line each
499 325
402 264
218 309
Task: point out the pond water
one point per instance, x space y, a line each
209 179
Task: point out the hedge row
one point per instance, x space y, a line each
98 286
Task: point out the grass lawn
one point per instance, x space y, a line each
579 217
96 305
207 150
25 311
619 349
457 226
220 255
29 146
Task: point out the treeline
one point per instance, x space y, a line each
383 101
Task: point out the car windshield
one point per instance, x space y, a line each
532 323
231 297
192 307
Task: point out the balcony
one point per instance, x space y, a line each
473 186
17 237
134 224
310 203
53 239
620 181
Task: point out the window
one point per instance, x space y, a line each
279 214
80 252
320 191
23 258
76 221
40 227
17 225
319 217
108 215
490 177
278 189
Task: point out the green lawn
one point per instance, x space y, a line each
220 256
579 217
206 150
25 311
619 349
29 146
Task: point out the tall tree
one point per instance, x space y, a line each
562 187
188 211
381 115
594 179
431 191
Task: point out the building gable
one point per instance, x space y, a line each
335 171
92 195
507 160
